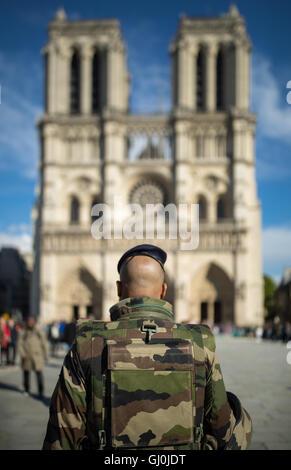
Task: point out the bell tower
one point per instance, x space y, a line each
86 89
214 156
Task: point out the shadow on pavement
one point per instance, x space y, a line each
44 400
14 388
10 387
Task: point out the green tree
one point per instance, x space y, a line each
269 290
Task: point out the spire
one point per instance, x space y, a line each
61 14
233 10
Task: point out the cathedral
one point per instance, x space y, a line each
93 149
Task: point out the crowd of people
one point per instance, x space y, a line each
9 331
273 330
60 335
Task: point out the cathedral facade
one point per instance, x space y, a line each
93 149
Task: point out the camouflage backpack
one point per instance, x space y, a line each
153 381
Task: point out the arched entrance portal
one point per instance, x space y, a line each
80 296
212 296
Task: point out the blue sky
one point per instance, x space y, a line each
147 29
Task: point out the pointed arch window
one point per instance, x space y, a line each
75 83
95 200
74 210
220 209
200 81
96 81
202 208
200 146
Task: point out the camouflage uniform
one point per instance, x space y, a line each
79 409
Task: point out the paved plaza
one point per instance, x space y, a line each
257 372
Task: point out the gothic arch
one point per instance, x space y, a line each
74 210
212 293
80 292
223 207
203 207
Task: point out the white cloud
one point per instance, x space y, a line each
275 169
17 236
274 113
276 250
269 101
21 241
150 90
149 68
18 111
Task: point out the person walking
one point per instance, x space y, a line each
6 338
33 349
13 341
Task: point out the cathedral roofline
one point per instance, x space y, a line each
64 26
229 22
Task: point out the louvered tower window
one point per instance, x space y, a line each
200 81
75 84
219 82
96 82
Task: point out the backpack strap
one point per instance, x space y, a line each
199 380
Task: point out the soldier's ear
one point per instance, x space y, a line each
164 290
118 285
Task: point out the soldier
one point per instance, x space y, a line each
143 381
33 349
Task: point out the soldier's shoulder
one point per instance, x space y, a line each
88 324
87 327
208 337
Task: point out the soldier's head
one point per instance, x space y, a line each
142 273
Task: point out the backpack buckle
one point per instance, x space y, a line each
198 434
149 329
102 439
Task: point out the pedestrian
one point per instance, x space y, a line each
127 383
6 338
33 349
69 333
13 341
1 342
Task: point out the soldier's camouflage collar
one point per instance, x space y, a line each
138 306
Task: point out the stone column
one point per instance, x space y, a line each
211 209
86 80
51 79
182 75
211 77
229 75
115 76
63 91
241 74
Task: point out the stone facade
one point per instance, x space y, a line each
94 149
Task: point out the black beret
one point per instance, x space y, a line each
144 250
